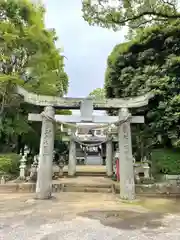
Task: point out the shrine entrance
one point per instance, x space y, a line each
93 155
121 123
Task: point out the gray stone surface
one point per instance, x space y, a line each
109 158
44 176
72 158
99 104
82 217
94 160
126 170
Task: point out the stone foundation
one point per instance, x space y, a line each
56 187
158 189
17 187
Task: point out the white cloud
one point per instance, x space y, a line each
86 47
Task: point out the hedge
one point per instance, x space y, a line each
166 161
9 164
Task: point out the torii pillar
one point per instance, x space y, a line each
109 157
44 176
127 185
72 158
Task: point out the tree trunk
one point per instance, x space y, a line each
19 142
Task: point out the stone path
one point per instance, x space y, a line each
88 168
84 216
83 180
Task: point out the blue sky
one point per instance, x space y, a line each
85 47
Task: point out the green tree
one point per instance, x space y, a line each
30 58
134 13
98 93
150 62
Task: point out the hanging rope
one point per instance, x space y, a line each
43 114
117 123
107 127
113 124
81 142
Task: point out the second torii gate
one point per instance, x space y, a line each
44 179
86 115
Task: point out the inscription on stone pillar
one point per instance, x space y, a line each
48 133
72 158
44 177
109 156
127 146
127 187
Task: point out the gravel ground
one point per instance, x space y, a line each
75 216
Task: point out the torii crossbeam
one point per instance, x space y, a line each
86 109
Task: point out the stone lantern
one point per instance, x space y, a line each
22 167
61 166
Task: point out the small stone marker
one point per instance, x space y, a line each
61 166
3 181
146 171
22 167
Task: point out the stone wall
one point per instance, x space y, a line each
158 188
155 189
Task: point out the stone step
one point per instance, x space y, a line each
91 174
56 187
90 187
87 189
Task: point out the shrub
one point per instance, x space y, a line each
9 164
166 161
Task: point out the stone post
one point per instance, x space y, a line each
72 158
127 185
3 180
146 170
61 166
109 157
22 168
33 170
44 176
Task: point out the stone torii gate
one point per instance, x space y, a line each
48 117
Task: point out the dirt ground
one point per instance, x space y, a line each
74 216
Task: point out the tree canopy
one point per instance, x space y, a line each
134 13
150 62
28 51
28 57
98 93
